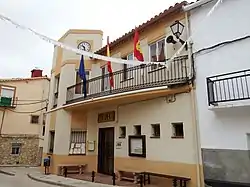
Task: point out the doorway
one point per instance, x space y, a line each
106 151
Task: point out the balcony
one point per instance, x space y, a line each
7 102
131 79
228 87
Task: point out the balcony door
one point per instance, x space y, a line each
105 79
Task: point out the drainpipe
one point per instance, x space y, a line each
194 113
1 127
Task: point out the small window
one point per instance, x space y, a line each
34 119
51 143
15 149
78 142
137 130
122 132
43 132
178 131
155 130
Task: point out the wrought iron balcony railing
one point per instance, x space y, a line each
228 87
133 78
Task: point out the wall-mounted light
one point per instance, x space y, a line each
177 28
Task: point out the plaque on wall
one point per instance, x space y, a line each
137 146
91 145
118 145
106 117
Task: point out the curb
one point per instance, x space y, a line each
7 173
19 166
48 182
58 183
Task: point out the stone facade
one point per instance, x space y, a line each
227 165
29 150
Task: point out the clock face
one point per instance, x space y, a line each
84 46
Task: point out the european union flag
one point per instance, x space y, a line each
82 75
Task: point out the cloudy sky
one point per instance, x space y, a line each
21 51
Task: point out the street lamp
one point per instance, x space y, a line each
177 29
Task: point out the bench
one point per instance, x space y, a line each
129 175
71 169
177 180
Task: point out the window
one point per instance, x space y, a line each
43 130
34 119
157 53
52 139
44 122
7 95
178 131
122 132
248 141
128 74
55 99
15 149
78 142
137 130
78 88
57 80
155 130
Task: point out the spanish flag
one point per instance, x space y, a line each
111 79
137 47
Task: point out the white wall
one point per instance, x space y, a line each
224 128
147 113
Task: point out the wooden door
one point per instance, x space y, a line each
106 151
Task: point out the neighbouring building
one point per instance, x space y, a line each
221 55
146 122
23 103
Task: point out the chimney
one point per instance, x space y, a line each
36 73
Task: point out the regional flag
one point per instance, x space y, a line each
137 47
111 79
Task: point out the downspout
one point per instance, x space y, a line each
193 103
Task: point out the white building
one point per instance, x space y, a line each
221 45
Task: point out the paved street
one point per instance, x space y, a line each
20 179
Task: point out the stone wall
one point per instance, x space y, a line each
29 151
228 166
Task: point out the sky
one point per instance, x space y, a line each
21 51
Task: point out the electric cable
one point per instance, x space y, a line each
221 44
30 103
27 112
29 100
97 56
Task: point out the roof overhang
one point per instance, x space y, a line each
177 8
195 5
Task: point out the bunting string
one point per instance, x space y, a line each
97 56
210 12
